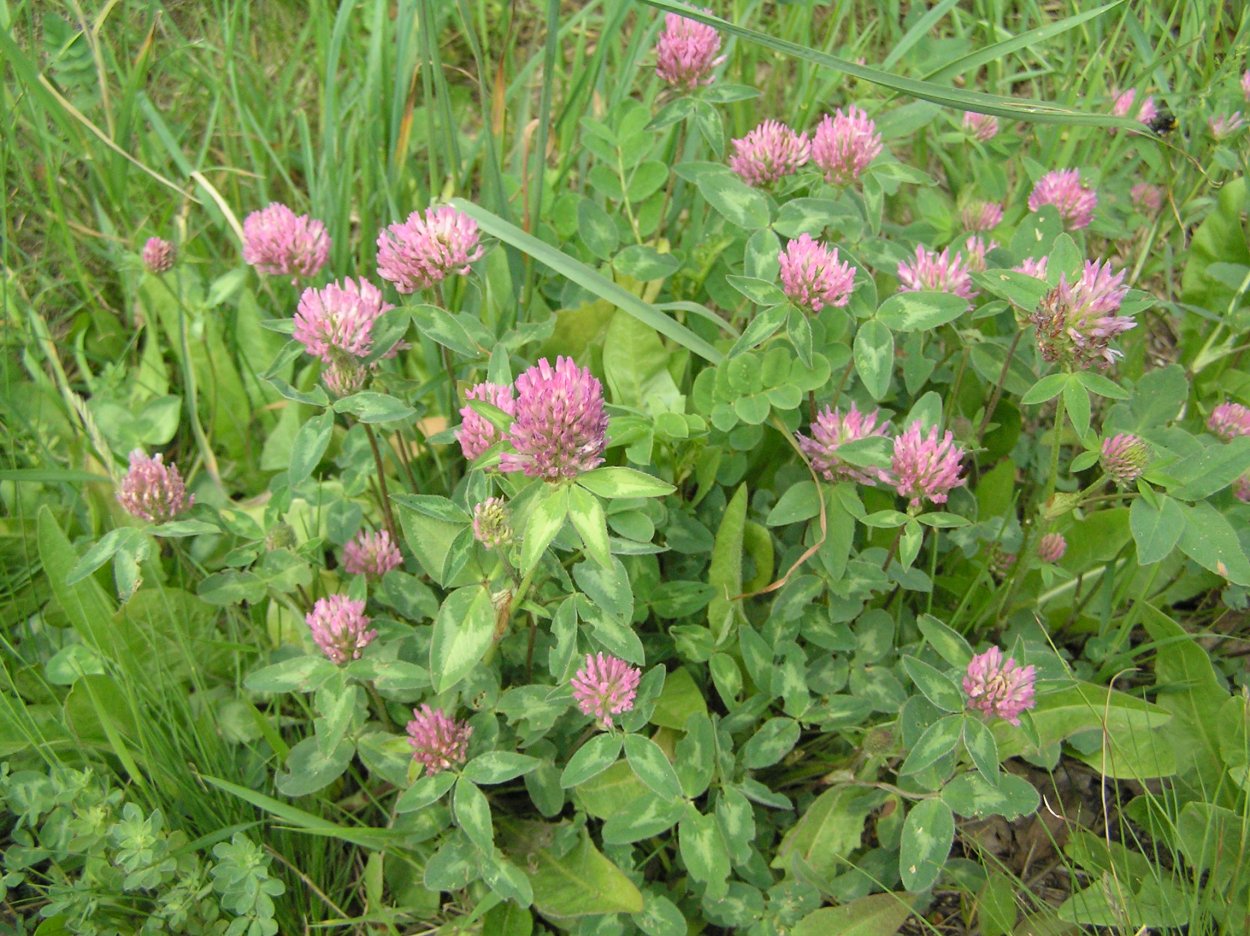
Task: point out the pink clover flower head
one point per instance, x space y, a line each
939 272
974 250
279 242
998 687
1229 420
1033 266
438 741
340 628
1001 561
159 255
477 433
981 215
983 127
1241 488
605 686
926 466
686 52
338 319
1123 106
1245 84
1147 198
560 429
1124 457
152 490
492 525
845 144
425 249
769 152
1224 126
1075 323
371 553
833 428
813 276
1051 547
1062 188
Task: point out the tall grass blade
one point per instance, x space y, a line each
587 278
999 106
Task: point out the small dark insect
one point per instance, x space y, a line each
1163 123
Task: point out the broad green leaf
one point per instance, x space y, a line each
463 631
85 604
937 687
920 311
647 816
635 366
609 590
370 407
547 513
679 700
949 644
582 883
695 756
1045 389
1156 529
1198 476
623 482
973 797
499 767
1212 542
761 292
597 229
763 325
806 216
310 444
874 915
511 884
1078 404
725 571
703 851
231 587
651 767
737 202
774 740
645 264
473 815
586 514
428 789
800 502
982 747
938 739
1126 726
874 357
830 830
303 673
309 769
591 759
336 703
927 836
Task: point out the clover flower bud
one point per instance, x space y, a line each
159 255
152 490
1062 188
371 553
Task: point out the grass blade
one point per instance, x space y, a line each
1013 108
587 278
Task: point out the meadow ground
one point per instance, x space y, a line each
571 467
